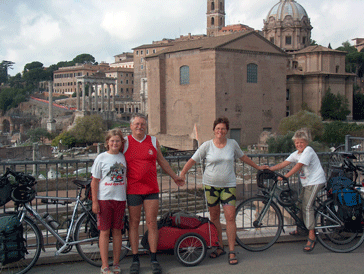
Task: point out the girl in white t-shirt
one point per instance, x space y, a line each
312 178
109 197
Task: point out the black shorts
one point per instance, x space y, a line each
137 199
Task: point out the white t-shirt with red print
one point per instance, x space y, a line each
111 170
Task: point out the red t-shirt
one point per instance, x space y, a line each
141 158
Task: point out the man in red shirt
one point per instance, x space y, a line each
142 152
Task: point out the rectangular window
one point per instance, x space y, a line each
303 40
287 95
288 40
184 75
252 73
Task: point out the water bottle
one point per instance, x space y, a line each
49 219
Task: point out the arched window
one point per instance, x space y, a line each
184 75
212 21
252 73
212 5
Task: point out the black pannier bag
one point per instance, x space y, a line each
12 243
5 191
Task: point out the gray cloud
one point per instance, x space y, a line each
58 30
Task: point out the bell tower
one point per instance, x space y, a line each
215 16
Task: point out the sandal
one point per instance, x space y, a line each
156 267
216 254
106 270
311 246
233 260
116 269
134 268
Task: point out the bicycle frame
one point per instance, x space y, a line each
65 242
272 194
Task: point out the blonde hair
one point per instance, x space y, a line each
303 133
114 132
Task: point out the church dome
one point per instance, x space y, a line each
285 8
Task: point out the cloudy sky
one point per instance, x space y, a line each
50 31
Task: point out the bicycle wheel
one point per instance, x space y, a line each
252 234
32 237
331 234
89 249
190 249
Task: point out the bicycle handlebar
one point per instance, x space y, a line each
20 177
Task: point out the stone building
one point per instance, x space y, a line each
64 79
313 71
288 26
215 16
253 78
241 76
359 44
123 60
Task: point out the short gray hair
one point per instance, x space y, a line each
135 115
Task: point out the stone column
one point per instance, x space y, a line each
51 123
113 97
108 97
78 96
90 96
11 128
96 98
102 96
84 96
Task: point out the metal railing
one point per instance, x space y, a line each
55 179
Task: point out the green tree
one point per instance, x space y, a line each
84 58
12 97
65 138
334 107
33 65
281 144
4 66
89 129
62 64
358 106
38 134
334 132
313 42
303 119
354 60
16 81
34 72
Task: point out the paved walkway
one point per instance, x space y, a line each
280 258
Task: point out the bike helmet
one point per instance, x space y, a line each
287 197
23 194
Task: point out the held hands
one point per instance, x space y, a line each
179 180
263 167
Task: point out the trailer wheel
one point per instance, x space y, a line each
190 249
